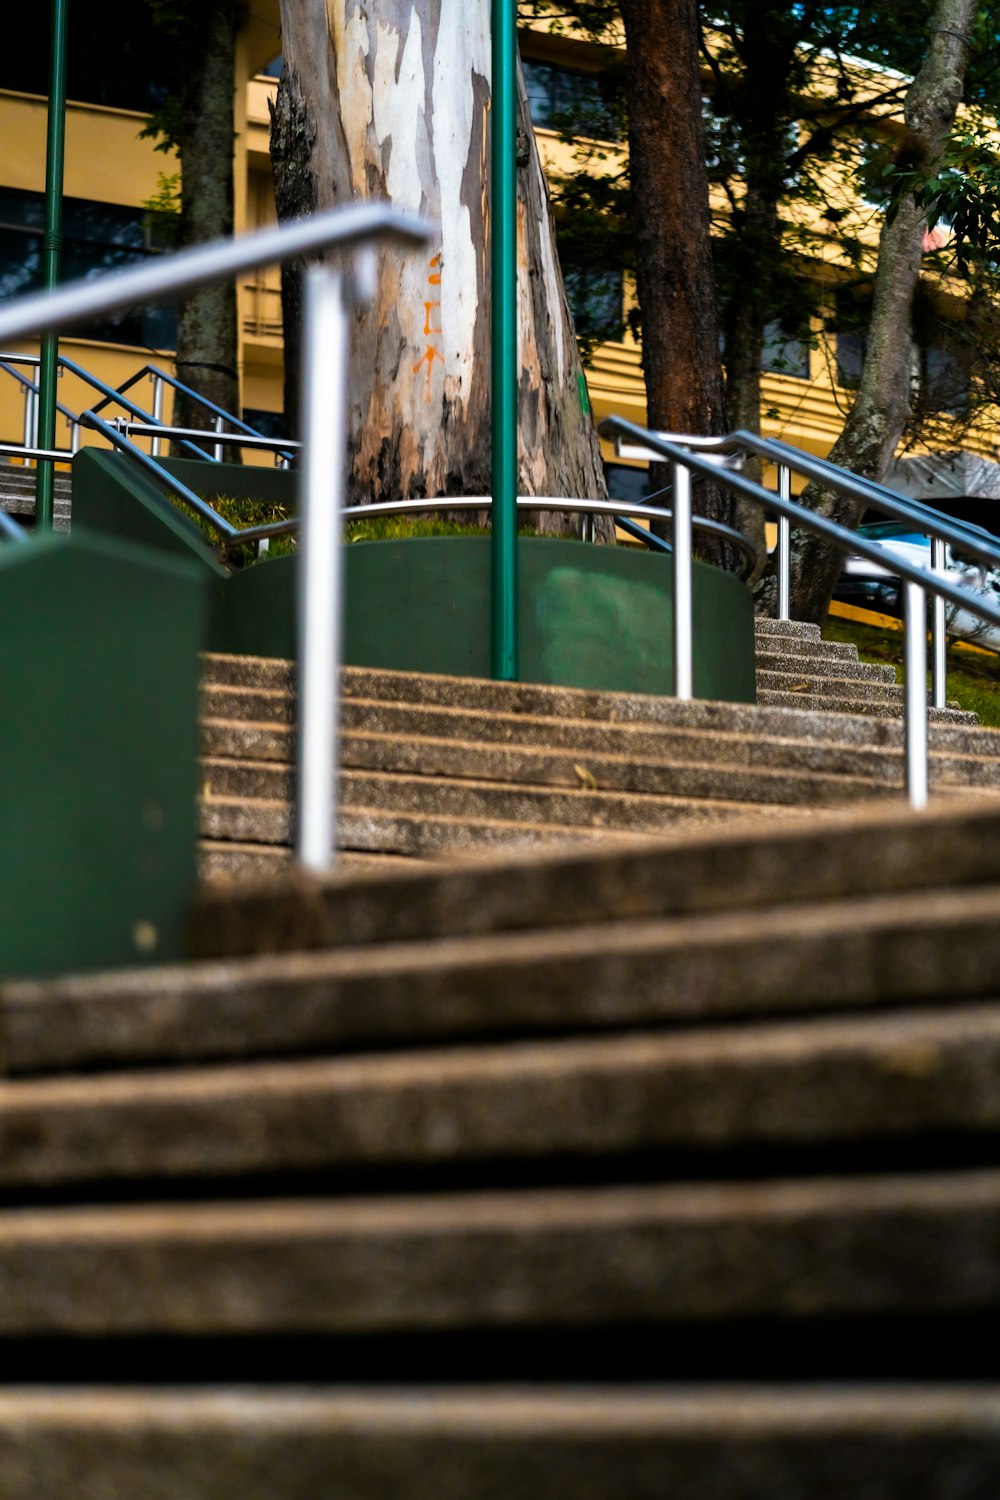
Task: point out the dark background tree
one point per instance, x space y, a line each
674 277
878 416
195 117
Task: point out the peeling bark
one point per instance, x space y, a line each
390 100
875 423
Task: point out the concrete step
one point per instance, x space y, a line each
806 647
888 1246
821 668
710 1094
788 629
434 759
814 698
880 686
17 495
252 819
514 703
737 1442
262 825
880 951
238 741
875 850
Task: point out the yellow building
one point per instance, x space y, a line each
112 172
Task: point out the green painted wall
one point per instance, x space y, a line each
99 694
597 617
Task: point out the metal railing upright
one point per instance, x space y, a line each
688 456
330 294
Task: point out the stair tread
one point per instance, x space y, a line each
827 957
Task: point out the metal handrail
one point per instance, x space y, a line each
919 581
285 448
112 395
343 228
325 382
941 529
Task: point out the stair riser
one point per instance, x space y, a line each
265 1443
815 667
452 696
419 762
881 952
873 853
626 1255
223 739
822 1083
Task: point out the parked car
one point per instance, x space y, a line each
873 587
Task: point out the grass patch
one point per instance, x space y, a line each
250 512
973 677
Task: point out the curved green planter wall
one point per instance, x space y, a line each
592 617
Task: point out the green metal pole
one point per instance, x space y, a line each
504 597
55 156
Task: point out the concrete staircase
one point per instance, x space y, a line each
614 1173
436 767
17 495
796 668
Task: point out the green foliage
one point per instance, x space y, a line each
163 211
392 528
243 512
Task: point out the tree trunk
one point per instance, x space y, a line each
390 100
875 423
674 276
206 335
746 321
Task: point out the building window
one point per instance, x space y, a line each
786 349
115 57
97 237
576 103
595 295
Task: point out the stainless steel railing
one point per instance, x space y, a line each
688 456
330 294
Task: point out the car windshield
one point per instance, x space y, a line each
893 531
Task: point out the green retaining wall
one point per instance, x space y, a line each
595 617
99 678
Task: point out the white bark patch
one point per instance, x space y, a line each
553 293
462 50
354 88
399 93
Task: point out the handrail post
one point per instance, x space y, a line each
156 446
682 563
915 690
784 547
30 416
939 633
504 656
217 450
55 156
320 564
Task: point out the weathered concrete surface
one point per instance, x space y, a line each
802 959
895 1078
789 1442
589 1257
868 851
